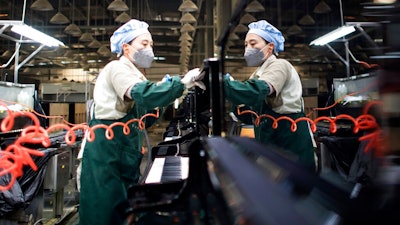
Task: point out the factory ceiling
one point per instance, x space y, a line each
301 21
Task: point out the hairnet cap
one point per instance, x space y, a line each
126 33
269 33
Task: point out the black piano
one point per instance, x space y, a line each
236 180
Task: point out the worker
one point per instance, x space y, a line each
121 93
274 89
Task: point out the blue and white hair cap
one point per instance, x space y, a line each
126 33
269 33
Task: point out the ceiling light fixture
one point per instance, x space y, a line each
384 1
7 54
293 30
187 18
27 70
188 6
247 18
94 44
184 49
73 30
254 6
322 7
307 20
104 51
118 5
36 35
59 18
333 35
185 37
185 43
187 28
86 37
240 28
41 5
122 18
68 53
233 36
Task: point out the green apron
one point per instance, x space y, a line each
298 142
109 167
252 93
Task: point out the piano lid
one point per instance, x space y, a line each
262 186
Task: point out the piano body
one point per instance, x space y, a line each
238 181
203 179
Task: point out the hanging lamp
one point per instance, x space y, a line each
307 20
41 5
59 18
240 28
118 5
188 6
233 36
94 44
294 30
322 7
247 18
7 54
86 37
187 18
104 51
185 36
73 29
187 28
254 6
122 18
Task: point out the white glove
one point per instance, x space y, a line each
229 76
192 78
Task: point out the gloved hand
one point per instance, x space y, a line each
192 78
228 76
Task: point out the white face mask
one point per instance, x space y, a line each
144 57
254 56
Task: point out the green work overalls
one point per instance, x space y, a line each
252 93
109 167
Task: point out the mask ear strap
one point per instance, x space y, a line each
273 46
268 46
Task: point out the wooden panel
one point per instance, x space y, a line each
311 102
58 109
80 113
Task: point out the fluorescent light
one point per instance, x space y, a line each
36 35
333 35
159 58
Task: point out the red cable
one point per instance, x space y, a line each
17 155
364 122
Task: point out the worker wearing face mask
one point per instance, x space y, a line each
121 93
274 89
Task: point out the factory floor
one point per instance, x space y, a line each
71 217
